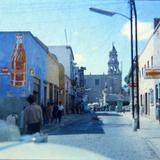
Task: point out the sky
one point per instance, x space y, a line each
91 35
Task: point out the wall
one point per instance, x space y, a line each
61 83
113 84
147 86
13 97
52 75
65 56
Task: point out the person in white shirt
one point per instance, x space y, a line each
12 119
60 111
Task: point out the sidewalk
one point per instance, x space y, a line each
66 120
150 131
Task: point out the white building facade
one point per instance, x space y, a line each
149 89
65 56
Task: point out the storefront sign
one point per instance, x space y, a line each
152 74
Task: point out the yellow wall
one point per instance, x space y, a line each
52 73
61 76
61 82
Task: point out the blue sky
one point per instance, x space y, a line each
90 34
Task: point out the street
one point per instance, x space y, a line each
106 133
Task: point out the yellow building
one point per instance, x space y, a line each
61 84
51 88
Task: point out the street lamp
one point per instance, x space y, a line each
132 10
107 13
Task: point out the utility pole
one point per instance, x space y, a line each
137 65
133 10
132 57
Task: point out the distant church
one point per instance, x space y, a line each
105 84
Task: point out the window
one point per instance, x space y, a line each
51 92
152 61
159 90
142 71
141 100
151 96
147 64
96 82
156 92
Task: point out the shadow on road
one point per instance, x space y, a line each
117 125
107 114
86 126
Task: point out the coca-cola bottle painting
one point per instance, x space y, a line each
18 63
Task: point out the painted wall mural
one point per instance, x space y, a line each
22 57
18 63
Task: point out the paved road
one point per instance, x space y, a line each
111 136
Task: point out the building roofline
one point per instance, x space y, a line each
66 46
153 33
34 37
40 43
151 36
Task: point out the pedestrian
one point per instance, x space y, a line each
60 111
12 119
44 114
55 112
49 112
33 116
22 121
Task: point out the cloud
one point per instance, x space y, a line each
145 30
79 58
76 33
94 49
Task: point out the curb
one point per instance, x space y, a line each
153 147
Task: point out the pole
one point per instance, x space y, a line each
132 65
137 66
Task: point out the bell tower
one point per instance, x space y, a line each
113 64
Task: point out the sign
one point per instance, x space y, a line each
4 70
152 73
132 85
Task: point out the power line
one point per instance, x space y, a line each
149 0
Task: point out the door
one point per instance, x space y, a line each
146 108
45 95
36 89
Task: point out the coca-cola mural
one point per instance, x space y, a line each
23 63
18 63
23 59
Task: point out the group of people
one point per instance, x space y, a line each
52 112
33 116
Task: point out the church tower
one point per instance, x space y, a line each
114 82
113 64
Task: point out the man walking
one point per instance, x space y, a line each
33 116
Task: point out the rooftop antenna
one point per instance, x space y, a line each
65 31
